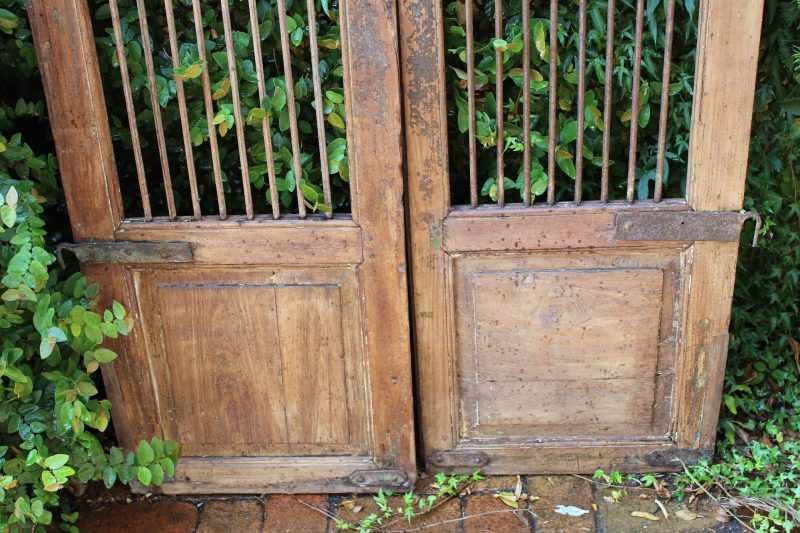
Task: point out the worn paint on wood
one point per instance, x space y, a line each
268 355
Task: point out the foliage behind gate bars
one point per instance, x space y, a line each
680 108
274 106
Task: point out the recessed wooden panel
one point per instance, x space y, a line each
259 363
565 345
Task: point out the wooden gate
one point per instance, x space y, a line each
273 346
570 335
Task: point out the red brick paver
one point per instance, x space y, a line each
481 516
141 517
235 516
284 513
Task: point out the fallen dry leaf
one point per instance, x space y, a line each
357 509
348 504
609 499
663 509
644 496
721 516
508 498
594 506
518 490
662 490
647 516
686 514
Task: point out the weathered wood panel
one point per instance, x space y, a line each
262 362
567 345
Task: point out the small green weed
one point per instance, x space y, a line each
414 505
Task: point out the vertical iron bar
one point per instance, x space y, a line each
526 100
637 79
581 101
237 107
498 76
662 124
323 144
262 93
290 101
151 82
552 101
187 141
607 101
209 108
126 90
473 149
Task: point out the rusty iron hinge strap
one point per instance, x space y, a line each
459 459
379 478
676 456
128 252
723 226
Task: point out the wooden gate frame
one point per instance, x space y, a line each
728 42
68 61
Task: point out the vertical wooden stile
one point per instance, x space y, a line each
237 107
292 105
635 98
147 52
209 109
67 58
187 142
728 38
262 93
134 128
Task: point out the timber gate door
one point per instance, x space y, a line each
572 313
271 342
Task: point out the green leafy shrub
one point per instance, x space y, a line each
52 330
758 449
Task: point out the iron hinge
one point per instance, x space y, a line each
379 478
723 226
128 252
676 456
459 459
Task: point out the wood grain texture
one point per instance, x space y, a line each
727 56
570 457
428 193
704 346
65 50
256 363
569 345
257 242
372 90
566 408
591 225
257 475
